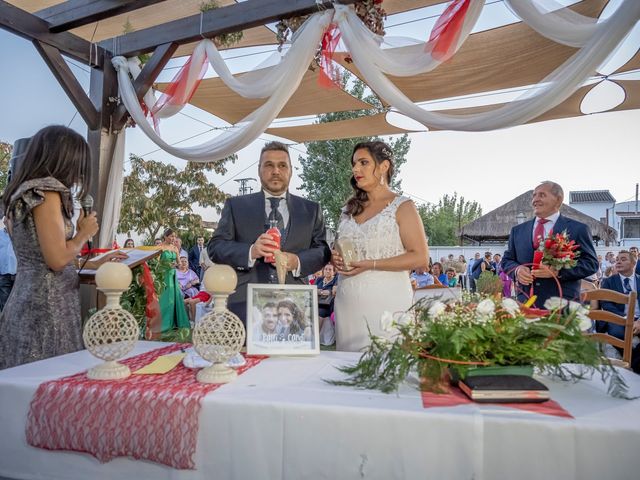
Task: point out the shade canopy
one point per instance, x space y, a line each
508 57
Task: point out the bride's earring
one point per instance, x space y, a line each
382 179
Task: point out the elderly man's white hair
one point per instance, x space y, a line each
555 189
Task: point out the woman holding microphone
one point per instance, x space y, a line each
42 316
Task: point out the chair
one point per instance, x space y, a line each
604 315
587 286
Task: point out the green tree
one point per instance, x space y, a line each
158 195
5 156
326 169
443 221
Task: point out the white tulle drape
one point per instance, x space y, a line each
556 87
551 20
113 195
249 128
408 60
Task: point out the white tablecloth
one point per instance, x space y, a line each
280 420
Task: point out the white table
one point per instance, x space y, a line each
444 293
279 420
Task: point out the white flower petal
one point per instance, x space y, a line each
555 303
386 321
436 309
486 307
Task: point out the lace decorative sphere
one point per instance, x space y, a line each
110 333
219 336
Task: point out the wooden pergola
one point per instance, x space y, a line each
49 31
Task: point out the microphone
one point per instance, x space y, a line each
87 206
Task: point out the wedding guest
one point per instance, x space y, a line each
157 242
205 262
8 266
497 258
41 318
420 278
452 280
190 303
325 286
634 252
439 277
172 309
129 243
625 280
181 251
194 256
462 271
241 240
507 284
187 278
525 239
390 236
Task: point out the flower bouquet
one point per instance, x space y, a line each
557 251
443 339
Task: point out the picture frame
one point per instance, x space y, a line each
282 319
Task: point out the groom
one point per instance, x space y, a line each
240 239
525 238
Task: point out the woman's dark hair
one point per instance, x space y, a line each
439 265
298 324
380 152
55 151
166 233
129 240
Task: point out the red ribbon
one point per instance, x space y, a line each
153 323
446 31
329 73
94 251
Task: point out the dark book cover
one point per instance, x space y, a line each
504 388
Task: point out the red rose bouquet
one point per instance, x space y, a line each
558 251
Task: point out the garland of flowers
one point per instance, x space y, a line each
435 339
226 40
370 12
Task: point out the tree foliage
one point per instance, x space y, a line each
443 221
326 169
157 195
5 156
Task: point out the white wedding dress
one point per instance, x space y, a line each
363 299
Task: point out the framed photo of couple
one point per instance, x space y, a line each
282 319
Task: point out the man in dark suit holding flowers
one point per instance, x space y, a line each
528 237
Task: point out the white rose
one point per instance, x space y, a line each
575 306
386 321
436 309
486 307
511 306
531 320
403 317
555 303
585 321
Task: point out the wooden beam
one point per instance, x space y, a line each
228 19
147 76
32 28
68 82
76 13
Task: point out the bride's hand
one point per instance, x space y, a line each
358 267
336 260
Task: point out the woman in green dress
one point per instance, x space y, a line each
174 315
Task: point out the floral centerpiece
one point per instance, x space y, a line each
439 339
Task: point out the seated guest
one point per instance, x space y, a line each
452 280
190 303
157 242
625 280
129 243
421 278
507 284
187 278
325 286
439 277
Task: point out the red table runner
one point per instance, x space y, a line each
151 417
457 397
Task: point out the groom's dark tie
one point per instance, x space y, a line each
538 233
275 213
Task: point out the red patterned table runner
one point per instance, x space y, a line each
457 397
151 417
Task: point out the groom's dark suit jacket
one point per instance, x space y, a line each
244 219
520 252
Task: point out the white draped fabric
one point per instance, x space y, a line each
562 25
113 195
406 61
557 86
251 126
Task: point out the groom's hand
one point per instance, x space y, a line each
263 246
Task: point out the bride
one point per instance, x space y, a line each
388 238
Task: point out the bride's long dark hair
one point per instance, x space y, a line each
380 152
